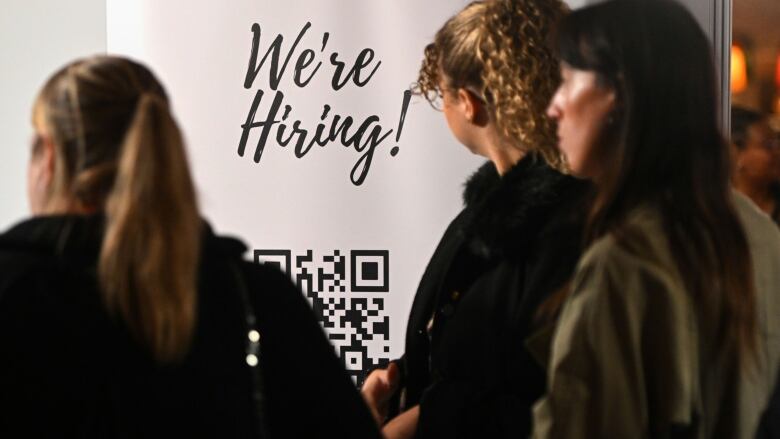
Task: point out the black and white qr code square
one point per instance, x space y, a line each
370 271
277 258
343 288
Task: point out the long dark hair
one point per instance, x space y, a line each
665 148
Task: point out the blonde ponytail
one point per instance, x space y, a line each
118 150
148 262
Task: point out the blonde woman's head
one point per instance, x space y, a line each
106 141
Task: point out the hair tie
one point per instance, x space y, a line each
152 98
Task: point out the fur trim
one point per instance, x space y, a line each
505 213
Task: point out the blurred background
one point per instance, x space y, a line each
755 57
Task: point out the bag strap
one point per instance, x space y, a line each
252 352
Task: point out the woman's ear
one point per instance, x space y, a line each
40 174
47 157
472 106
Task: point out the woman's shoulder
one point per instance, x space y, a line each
39 268
21 270
38 247
761 231
267 279
631 261
640 240
39 294
266 285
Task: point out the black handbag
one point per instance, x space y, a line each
252 353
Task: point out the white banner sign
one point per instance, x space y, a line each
305 143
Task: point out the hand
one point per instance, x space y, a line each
377 390
403 426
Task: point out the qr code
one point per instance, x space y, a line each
347 291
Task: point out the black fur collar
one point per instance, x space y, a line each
504 214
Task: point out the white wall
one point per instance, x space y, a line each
36 37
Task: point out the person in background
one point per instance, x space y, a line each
466 372
756 156
670 328
122 314
756 174
754 149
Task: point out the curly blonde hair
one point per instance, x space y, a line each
499 49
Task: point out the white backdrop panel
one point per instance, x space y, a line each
384 229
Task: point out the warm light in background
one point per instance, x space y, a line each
777 93
777 73
738 69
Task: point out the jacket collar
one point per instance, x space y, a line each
63 236
505 213
78 238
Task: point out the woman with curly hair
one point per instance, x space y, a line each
466 371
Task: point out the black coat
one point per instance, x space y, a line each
68 369
515 243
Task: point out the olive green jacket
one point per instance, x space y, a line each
625 359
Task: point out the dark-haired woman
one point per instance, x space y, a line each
466 372
122 315
669 330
